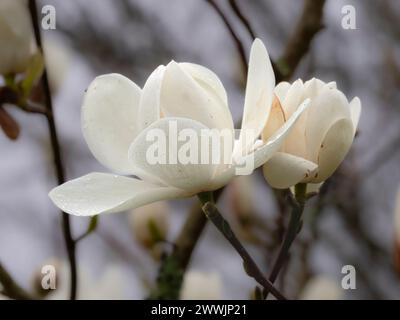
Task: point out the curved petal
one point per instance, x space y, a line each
206 77
259 94
327 108
109 113
276 120
213 86
171 151
182 96
355 111
281 89
149 107
294 96
334 148
284 170
266 151
97 193
314 87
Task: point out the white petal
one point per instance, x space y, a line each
355 111
328 107
259 94
284 170
206 77
16 36
97 193
281 89
293 98
109 114
160 157
276 120
182 96
265 152
334 148
315 86
149 107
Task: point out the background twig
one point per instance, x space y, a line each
69 241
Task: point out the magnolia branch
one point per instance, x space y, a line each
70 243
238 43
251 268
10 288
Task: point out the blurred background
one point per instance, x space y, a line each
350 223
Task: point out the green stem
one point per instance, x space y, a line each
251 268
291 232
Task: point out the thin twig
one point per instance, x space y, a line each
236 9
69 241
235 37
10 288
291 233
251 268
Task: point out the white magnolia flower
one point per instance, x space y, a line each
110 285
16 36
149 223
320 139
201 286
117 117
321 288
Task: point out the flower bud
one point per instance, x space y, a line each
149 223
16 36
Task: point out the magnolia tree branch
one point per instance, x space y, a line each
251 268
10 288
232 32
291 232
69 241
309 23
236 9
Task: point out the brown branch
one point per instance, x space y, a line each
10 288
232 32
251 268
236 9
69 241
310 22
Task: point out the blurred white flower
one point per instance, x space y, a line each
201 286
320 139
16 36
111 285
321 288
149 223
117 117
57 57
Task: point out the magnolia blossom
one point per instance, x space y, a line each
320 139
16 36
321 288
201 286
118 117
149 223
